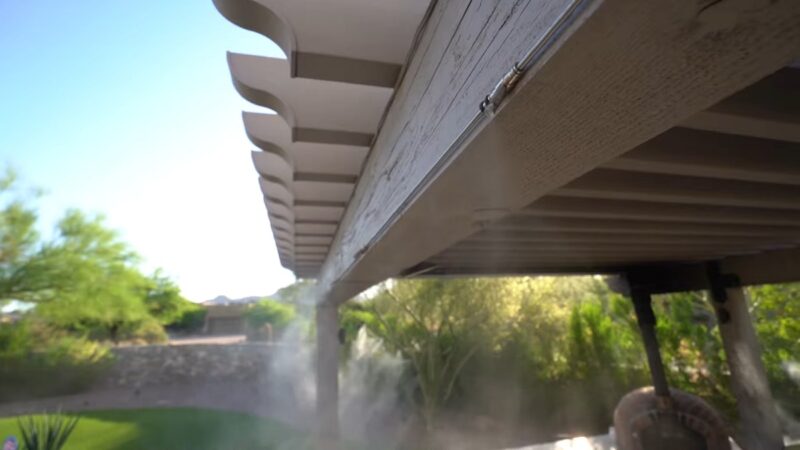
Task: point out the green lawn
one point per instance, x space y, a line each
175 429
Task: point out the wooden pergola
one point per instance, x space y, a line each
655 140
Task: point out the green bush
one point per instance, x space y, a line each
139 331
278 315
146 331
190 320
548 344
776 309
38 361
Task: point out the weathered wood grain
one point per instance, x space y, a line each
624 73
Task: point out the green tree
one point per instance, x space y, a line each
172 310
438 326
164 300
776 311
691 347
84 279
104 296
549 343
267 311
296 293
539 337
299 294
353 316
24 274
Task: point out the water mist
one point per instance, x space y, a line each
369 394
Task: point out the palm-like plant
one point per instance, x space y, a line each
47 431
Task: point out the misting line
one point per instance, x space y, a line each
510 79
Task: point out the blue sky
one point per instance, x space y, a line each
126 108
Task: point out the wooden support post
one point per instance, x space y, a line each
759 427
327 375
642 304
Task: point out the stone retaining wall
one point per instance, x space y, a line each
175 364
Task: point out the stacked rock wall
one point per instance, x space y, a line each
171 364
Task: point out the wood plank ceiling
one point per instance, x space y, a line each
725 182
343 61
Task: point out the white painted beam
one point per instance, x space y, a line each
516 237
627 185
271 133
579 253
595 208
533 224
682 151
744 124
333 213
551 261
622 247
353 41
302 239
768 109
329 112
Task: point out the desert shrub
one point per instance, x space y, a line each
38 361
146 331
190 320
278 315
136 331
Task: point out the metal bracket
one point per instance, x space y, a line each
642 304
503 87
719 282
